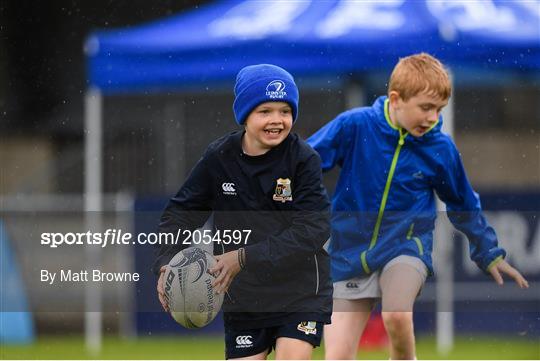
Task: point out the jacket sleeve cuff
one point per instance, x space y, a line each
492 258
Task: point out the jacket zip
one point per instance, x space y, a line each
416 239
382 206
317 273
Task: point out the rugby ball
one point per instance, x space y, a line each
192 300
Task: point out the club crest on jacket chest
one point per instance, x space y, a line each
283 191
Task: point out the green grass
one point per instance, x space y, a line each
193 347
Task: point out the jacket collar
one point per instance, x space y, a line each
385 124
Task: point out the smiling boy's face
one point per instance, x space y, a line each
267 126
418 114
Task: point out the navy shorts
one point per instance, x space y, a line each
251 342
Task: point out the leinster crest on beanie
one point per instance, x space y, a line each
256 84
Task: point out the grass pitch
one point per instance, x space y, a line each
193 347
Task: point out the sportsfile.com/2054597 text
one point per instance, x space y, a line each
119 237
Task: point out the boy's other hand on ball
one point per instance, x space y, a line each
226 268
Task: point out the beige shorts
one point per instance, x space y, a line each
369 286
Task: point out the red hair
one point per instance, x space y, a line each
419 73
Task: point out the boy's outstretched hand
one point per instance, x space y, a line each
226 268
504 267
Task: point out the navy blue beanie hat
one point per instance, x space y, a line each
256 84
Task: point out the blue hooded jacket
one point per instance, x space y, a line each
384 202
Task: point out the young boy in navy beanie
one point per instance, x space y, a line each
266 182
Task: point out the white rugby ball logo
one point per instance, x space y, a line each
276 89
275 86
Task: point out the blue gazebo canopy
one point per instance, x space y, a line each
211 43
